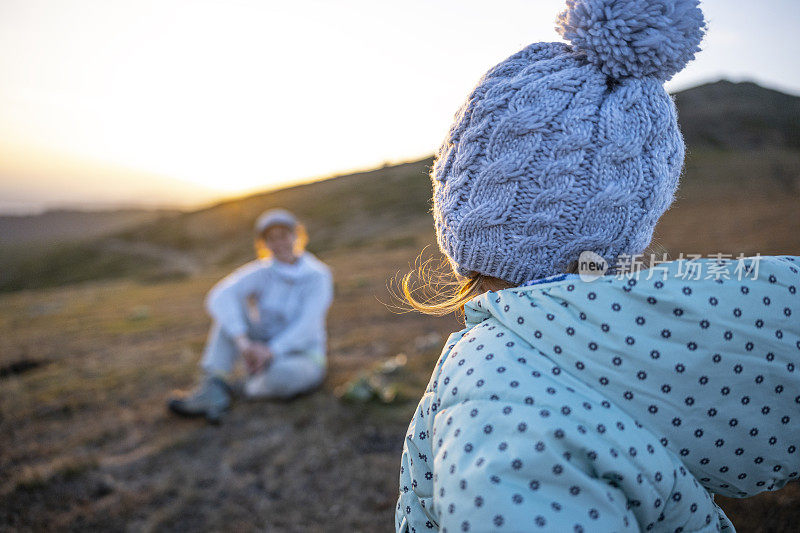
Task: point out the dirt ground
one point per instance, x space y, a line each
86 442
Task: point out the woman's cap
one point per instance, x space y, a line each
274 217
564 148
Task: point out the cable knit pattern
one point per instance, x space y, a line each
549 157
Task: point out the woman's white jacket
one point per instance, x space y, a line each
283 304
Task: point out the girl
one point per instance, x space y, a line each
283 346
580 403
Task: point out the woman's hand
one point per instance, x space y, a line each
262 356
257 355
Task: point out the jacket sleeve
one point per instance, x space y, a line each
415 509
226 302
497 460
415 505
315 301
492 475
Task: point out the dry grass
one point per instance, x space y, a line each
86 441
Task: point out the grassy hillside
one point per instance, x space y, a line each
345 211
382 207
58 225
86 442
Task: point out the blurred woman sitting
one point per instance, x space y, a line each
270 313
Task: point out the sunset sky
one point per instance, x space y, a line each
177 102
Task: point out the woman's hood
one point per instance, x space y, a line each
710 363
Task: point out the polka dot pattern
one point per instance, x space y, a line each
620 404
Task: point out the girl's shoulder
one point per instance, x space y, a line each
489 342
447 350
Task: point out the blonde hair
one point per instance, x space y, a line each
300 242
434 288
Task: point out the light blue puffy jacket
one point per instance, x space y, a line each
618 404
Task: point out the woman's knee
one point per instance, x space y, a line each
284 380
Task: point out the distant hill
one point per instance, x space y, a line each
72 224
738 116
383 207
346 211
742 147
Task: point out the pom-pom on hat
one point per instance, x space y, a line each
564 148
636 38
274 217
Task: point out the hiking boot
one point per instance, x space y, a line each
210 400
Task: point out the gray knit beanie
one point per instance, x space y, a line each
563 148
